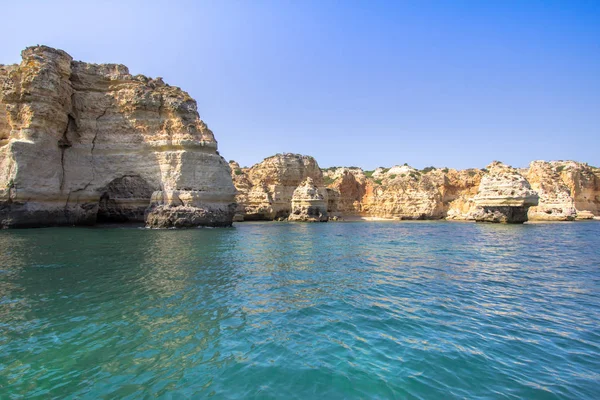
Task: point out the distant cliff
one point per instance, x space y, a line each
81 143
546 191
266 190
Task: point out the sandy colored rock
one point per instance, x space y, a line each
583 182
265 190
504 195
499 193
347 188
402 192
555 203
80 141
308 203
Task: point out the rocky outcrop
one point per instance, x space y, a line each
308 203
583 182
546 191
459 189
346 190
265 190
504 195
403 192
81 143
555 203
84 142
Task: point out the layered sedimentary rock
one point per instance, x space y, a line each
81 142
504 195
555 203
308 203
403 192
265 190
346 190
546 191
583 182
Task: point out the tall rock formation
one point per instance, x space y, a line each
546 191
81 142
583 182
266 190
346 190
308 203
403 192
504 195
555 203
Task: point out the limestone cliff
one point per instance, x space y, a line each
266 190
346 190
308 203
403 192
504 195
546 191
583 182
84 142
556 203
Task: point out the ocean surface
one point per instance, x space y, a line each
430 310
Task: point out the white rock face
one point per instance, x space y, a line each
81 142
504 196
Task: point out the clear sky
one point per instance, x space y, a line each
365 83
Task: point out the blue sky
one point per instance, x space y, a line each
366 83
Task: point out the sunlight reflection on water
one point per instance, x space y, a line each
346 310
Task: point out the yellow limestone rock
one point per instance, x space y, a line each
504 195
403 192
308 203
265 191
83 142
556 203
583 182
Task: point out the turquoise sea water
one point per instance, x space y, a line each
275 310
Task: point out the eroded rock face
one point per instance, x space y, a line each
403 192
265 190
124 199
347 188
504 195
308 203
583 182
555 203
546 191
83 141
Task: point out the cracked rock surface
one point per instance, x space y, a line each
81 142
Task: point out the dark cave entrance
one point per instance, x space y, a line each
124 200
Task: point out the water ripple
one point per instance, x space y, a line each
275 310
